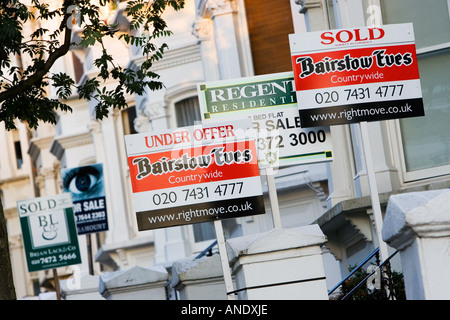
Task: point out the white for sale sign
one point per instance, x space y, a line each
270 102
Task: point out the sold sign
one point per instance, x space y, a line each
49 233
353 75
347 36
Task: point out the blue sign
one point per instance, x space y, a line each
86 185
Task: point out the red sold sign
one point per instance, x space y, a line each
353 67
355 35
364 74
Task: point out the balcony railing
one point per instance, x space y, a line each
377 283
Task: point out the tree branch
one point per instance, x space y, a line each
39 74
3 54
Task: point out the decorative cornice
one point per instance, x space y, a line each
37 144
13 179
308 4
40 181
416 215
47 173
213 8
154 110
15 241
60 144
202 29
10 213
142 123
95 127
171 58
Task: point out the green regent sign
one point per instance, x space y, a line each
270 102
49 232
251 95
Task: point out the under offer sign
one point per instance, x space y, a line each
352 75
193 174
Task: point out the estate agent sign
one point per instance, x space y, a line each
193 174
49 232
270 102
86 185
353 75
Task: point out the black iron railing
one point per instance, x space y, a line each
387 288
208 251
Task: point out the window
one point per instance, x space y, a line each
269 41
426 140
17 149
19 157
128 116
77 68
187 112
36 287
204 231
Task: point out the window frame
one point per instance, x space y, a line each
394 127
351 13
177 94
197 246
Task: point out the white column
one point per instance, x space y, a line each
315 14
203 30
282 264
24 142
176 246
222 14
386 174
199 279
160 241
49 180
137 283
341 172
114 184
418 225
298 19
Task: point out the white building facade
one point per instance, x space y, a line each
227 39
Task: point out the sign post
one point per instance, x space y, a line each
273 197
354 76
57 287
224 259
373 188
